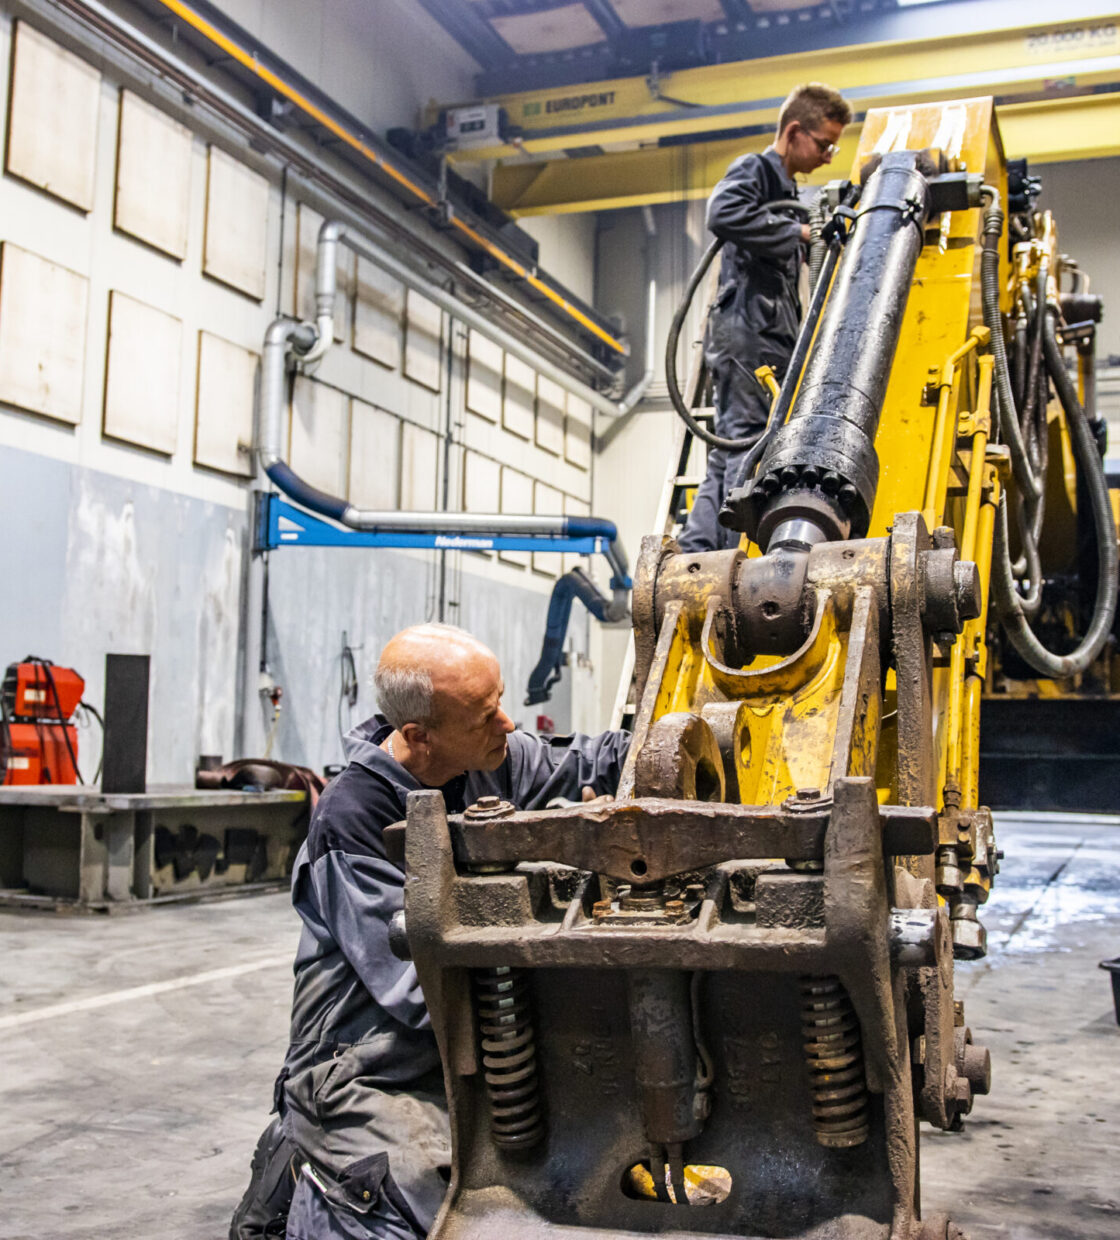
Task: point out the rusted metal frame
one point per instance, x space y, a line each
916 768
786 676
681 759
856 746
434 932
655 549
668 654
664 836
944 428
856 910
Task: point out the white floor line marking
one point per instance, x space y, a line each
141 992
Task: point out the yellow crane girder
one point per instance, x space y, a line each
1047 77
1042 130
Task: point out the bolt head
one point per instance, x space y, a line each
808 794
949 880
970 939
488 807
966 587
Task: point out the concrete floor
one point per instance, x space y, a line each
134 1119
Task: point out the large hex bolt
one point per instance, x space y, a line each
486 809
951 590
970 939
967 589
949 876
973 1062
958 1094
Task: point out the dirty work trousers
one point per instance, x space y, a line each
369 1163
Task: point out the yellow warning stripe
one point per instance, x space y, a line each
250 62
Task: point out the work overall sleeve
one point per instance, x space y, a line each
538 770
359 895
742 211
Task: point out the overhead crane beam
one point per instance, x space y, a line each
1079 53
1043 131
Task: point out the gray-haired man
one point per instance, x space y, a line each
362 1128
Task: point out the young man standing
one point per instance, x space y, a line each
755 316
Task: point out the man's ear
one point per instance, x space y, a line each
415 735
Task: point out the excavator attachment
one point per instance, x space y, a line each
721 1002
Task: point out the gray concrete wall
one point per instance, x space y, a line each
96 563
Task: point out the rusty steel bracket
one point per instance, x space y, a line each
649 839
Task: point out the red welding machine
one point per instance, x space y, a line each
39 743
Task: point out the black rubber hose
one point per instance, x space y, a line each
817 245
709 437
701 432
989 286
1037 309
1088 460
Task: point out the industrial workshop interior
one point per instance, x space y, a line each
559 665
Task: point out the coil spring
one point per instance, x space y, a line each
834 1057
509 1057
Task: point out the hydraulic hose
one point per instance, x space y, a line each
817 245
701 432
1028 484
1009 605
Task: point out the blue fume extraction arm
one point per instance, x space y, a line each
288 341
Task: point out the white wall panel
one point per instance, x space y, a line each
378 314
310 221
319 443
484 377
52 122
236 244
153 187
42 334
423 359
519 397
517 499
482 483
142 374
375 455
575 508
419 468
223 433
482 486
547 502
550 416
577 433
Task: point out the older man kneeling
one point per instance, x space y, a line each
361 1134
